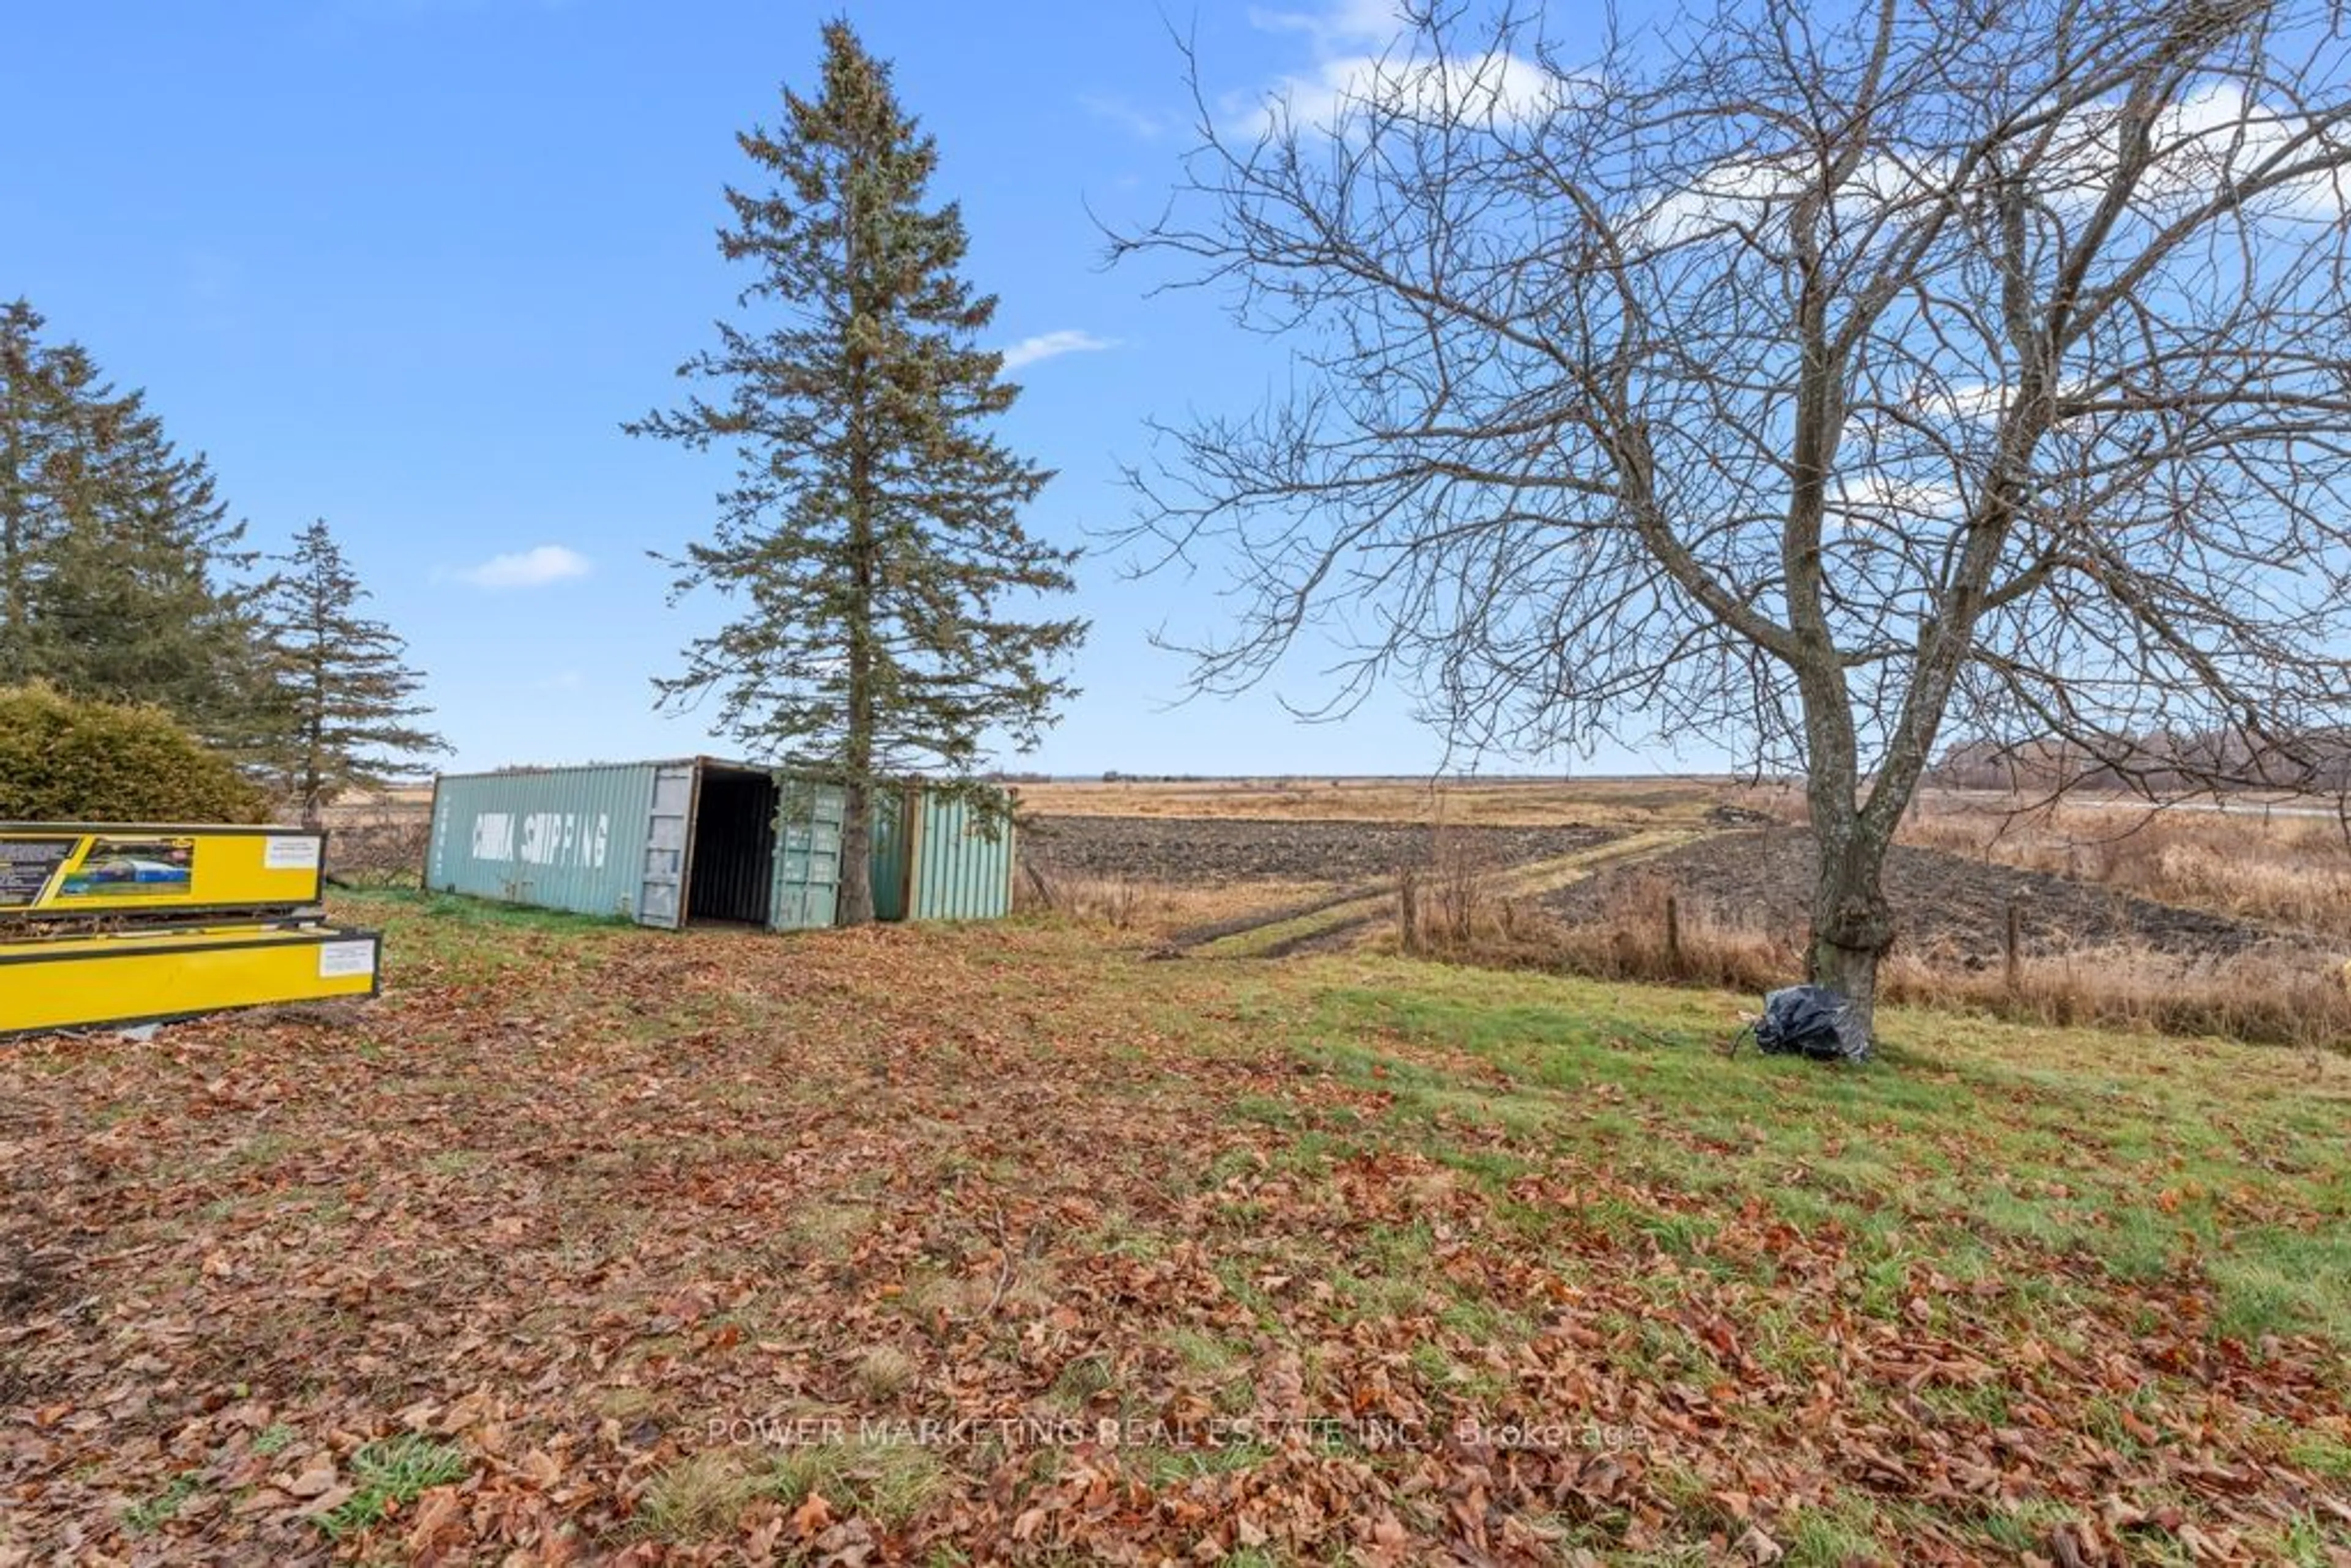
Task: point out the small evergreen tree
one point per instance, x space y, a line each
343 697
117 558
873 533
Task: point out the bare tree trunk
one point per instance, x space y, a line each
856 903
1853 926
312 780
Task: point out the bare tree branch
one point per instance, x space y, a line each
1828 379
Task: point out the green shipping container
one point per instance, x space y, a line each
808 857
939 858
961 858
892 866
581 839
693 841
701 842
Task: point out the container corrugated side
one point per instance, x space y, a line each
962 861
557 838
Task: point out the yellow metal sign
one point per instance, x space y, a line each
136 978
62 871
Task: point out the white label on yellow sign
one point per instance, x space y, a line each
337 960
291 855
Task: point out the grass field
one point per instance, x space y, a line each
592 1241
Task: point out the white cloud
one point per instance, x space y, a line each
1338 25
2213 138
1140 123
1050 345
1491 88
1971 399
534 567
1980 402
1364 62
1755 193
1874 497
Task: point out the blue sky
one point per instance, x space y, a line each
407 264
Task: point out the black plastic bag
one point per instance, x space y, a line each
1810 1021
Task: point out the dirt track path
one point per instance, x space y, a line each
1337 922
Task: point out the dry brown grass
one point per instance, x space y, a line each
1457 899
2290 871
1628 942
1150 908
371 805
1459 885
2257 997
2273 998
1527 802
1122 903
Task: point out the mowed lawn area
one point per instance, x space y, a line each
992 1244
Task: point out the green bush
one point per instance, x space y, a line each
63 759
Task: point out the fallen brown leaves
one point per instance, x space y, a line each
652 1231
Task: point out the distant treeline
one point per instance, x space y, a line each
2318 762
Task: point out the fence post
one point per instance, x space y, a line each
1673 932
2013 953
1407 911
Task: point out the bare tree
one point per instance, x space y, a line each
1809 378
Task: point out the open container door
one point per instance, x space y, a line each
807 856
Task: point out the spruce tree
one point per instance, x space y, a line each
343 696
34 422
872 537
119 566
